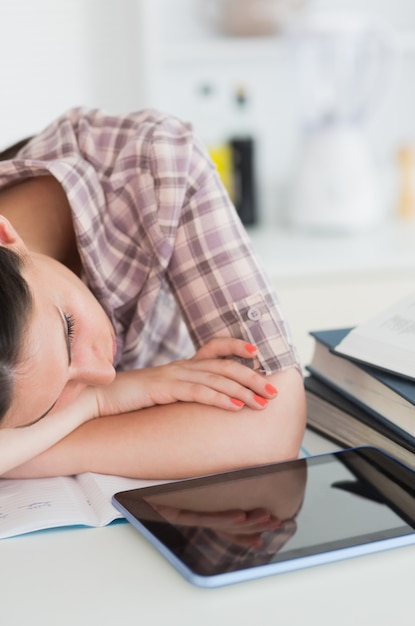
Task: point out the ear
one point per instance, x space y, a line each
9 236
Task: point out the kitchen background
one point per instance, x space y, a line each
238 69
327 106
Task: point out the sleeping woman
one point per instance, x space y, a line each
138 333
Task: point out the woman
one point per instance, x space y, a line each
128 255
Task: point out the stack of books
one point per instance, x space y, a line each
361 384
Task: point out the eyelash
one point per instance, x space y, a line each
70 325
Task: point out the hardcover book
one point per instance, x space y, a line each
389 398
332 415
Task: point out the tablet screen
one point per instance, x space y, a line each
286 512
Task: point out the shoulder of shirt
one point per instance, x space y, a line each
144 118
78 129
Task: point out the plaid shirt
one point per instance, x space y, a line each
161 246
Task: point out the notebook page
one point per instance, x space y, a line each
98 490
40 503
387 340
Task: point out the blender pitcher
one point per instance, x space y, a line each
345 65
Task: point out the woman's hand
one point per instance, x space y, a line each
207 378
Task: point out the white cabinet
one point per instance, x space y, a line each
180 54
184 59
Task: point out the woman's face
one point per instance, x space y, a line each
70 343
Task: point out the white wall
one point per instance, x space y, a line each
55 54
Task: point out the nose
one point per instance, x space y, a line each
92 368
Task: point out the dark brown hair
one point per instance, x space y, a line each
15 308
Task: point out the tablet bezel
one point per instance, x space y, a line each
170 542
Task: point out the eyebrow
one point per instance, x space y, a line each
68 349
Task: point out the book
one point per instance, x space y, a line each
28 505
333 415
386 341
390 398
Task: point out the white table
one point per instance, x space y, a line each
111 575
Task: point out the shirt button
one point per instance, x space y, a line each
254 314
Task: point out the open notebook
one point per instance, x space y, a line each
40 503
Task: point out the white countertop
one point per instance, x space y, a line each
107 576
290 254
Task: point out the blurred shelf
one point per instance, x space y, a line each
224 50
269 49
292 254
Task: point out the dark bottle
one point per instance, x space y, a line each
242 145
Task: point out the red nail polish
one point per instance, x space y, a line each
271 389
237 402
262 401
250 347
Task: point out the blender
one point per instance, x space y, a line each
345 66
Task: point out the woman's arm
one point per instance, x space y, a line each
181 439
207 378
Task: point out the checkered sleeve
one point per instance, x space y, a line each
216 278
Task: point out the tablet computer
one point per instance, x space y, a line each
240 525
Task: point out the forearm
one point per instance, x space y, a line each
181 439
18 445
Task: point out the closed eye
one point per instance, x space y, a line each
70 326
68 323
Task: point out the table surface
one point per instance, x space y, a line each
110 575
292 254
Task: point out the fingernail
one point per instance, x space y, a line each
271 389
237 402
250 347
262 401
